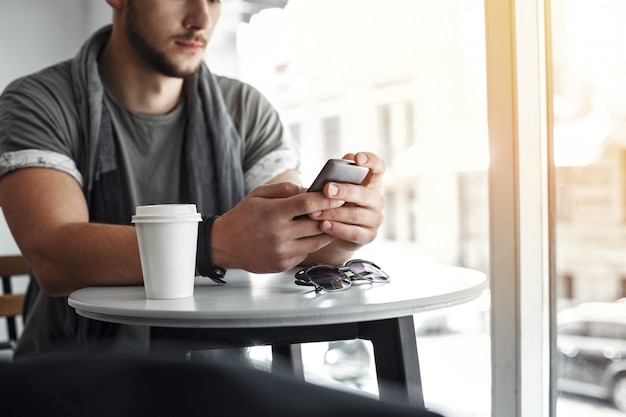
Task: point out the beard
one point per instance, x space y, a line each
158 60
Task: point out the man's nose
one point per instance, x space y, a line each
200 15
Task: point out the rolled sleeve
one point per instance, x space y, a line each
34 158
270 166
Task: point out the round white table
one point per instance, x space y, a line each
269 309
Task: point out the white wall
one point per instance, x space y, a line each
39 33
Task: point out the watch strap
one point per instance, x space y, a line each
204 261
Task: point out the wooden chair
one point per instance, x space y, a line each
10 303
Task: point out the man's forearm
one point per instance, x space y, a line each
86 254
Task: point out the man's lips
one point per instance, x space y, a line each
191 44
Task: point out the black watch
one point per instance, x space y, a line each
204 262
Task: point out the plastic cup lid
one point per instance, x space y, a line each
166 212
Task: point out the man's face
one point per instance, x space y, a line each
171 35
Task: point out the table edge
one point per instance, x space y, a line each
190 320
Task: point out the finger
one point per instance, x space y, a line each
308 203
372 161
354 234
314 243
294 253
354 215
375 164
278 190
303 227
357 194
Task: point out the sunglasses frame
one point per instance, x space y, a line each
302 277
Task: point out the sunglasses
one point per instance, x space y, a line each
336 278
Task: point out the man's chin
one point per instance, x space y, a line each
179 71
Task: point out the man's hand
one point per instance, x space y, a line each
356 223
261 233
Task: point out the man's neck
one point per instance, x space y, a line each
138 87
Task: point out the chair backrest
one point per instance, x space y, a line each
11 304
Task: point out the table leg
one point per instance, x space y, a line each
287 360
397 362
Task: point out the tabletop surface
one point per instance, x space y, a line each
273 300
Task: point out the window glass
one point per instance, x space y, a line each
331 135
574 329
589 72
406 80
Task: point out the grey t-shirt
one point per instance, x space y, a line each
156 148
39 127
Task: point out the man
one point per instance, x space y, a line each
136 118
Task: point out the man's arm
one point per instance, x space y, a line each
48 217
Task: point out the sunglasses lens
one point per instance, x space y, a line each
367 270
329 279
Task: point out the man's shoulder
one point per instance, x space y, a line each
57 75
51 83
226 83
242 98
234 87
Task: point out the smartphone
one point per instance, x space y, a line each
339 170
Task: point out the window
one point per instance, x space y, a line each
404 79
551 237
396 128
384 128
391 209
412 217
409 124
589 114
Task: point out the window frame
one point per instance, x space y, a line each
520 201
521 208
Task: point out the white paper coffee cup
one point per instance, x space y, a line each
167 235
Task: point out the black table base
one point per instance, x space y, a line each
393 340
